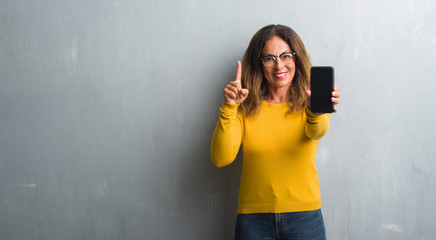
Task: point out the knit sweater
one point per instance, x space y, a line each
278 152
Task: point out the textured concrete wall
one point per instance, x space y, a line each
107 109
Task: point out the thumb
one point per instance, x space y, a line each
244 92
309 93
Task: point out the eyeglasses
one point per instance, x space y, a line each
270 60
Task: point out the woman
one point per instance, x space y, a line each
266 109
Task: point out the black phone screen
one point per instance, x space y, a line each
321 86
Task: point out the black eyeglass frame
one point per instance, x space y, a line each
276 56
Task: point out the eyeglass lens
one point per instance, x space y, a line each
286 59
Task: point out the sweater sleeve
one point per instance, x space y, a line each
227 136
316 125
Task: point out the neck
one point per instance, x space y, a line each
277 95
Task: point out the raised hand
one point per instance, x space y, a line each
233 92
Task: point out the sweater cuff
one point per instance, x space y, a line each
229 110
312 117
227 107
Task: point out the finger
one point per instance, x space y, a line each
232 88
308 92
238 72
236 87
335 110
235 84
230 94
336 92
236 91
335 101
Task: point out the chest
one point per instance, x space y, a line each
274 131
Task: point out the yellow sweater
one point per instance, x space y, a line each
278 151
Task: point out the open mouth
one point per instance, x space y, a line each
280 75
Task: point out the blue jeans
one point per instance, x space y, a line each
287 226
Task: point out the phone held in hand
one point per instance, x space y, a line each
321 86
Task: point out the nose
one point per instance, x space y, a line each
278 64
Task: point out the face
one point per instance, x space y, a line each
279 75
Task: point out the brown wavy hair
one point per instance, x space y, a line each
252 70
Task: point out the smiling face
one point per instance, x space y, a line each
278 76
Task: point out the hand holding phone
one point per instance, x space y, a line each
321 87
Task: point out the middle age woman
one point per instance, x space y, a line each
266 109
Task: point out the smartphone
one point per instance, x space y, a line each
322 81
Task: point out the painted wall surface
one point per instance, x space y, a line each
107 109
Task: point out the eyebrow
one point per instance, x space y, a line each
276 55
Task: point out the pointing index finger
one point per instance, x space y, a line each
238 73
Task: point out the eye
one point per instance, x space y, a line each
268 59
286 56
